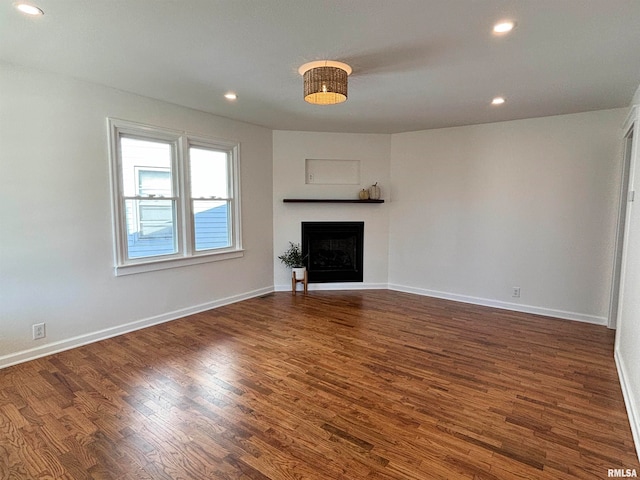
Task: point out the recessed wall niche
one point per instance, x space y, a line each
332 172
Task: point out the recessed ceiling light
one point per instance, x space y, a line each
504 27
28 9
498 101
230 96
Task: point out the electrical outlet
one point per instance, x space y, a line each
515 292
38 331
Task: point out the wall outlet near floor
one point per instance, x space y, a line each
38 331
515 292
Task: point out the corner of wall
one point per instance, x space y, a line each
629 401
636 97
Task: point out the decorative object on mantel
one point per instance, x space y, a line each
374 191
325 81
293 258
364 194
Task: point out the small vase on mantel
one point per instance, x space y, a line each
374 192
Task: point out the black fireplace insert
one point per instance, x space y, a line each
333 251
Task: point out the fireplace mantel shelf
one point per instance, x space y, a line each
328 200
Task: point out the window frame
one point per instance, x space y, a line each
181 142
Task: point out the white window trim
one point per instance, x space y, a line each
186 255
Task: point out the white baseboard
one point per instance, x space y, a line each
548 312
335 286
629 401
55 347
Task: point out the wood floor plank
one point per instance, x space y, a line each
330 385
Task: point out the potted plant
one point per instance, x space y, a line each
293 258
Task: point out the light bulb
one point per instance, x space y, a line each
28 9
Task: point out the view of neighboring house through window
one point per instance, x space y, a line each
148 196
155 216
174 195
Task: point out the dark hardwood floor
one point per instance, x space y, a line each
333 385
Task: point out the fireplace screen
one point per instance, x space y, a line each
333 251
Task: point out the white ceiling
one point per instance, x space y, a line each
417 64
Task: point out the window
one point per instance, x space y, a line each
175 198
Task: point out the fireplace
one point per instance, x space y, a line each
333 250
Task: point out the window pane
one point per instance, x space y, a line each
211 224
150 228
140 158
154 182
208 169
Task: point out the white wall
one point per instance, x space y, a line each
531 203
636 97
56 252
290 149
627 349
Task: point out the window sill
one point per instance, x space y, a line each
155 265
328 200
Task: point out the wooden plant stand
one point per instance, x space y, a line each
295 281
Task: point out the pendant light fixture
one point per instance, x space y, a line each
325 82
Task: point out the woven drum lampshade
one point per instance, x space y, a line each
325 82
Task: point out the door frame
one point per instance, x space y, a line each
630 139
